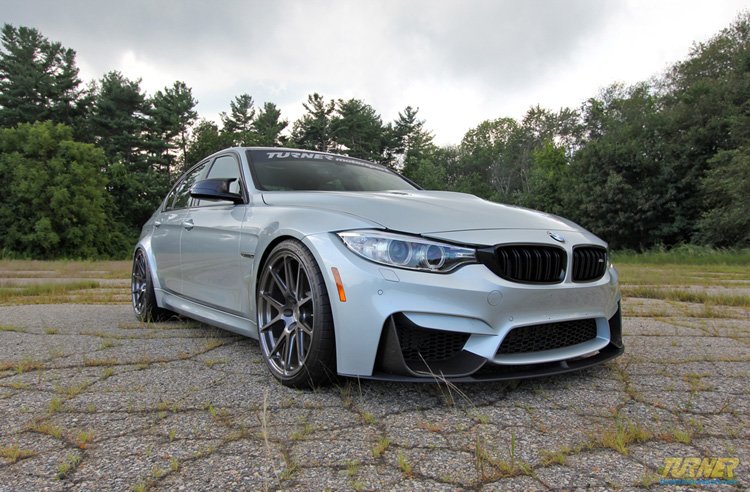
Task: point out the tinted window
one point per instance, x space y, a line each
304 171
182 192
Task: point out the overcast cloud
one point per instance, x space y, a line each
460 62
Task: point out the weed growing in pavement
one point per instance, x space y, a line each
71 391
404 465
83 438
68 465
620 435
368 418
491 468
27 364
47 428
380 447
352 468
99 362
430 426
13 453
55 405
12 329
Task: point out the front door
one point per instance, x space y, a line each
210 245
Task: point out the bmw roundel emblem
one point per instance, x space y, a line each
557 237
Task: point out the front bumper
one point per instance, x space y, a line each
472 307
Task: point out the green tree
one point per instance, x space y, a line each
172 116
38 79
206 139
53 200
548 180
706 102
119 120
268 126
137 171
313 130
357 130
411 144
726 189
621 182
239 122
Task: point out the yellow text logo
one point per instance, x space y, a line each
694 469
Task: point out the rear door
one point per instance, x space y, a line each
210 246
168 227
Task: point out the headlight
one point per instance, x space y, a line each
408 252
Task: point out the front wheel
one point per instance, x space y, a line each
295 324
142 292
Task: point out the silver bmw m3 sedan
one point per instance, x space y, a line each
339 266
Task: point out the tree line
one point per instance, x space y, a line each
660 163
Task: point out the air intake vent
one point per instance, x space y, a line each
420 344
589 263
548 336
528 263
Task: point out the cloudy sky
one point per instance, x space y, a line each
460 62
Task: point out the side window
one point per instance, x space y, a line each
182 192
170 199
224 167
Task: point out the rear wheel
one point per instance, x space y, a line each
142 290
295 324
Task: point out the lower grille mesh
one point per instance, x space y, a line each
430 345
548 336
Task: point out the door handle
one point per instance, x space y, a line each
157 223
187 224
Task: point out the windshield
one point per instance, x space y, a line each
315 171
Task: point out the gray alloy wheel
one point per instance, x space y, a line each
295 325
142 291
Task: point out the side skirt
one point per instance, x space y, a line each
211 316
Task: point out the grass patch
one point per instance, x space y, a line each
68 465
47 428
24 365
12 328
10 268
404 465
99 362
492 468
621 435
380 447
13 453
697 297
685 255
9 291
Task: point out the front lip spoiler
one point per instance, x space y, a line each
491 372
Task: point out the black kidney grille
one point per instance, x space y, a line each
548 336
430 345
531 263
589 263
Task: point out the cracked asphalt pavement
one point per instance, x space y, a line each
92 400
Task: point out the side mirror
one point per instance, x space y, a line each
215 189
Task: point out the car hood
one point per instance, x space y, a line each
422 212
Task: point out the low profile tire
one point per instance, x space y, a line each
142 290
295 324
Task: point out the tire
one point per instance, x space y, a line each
142 292
295 324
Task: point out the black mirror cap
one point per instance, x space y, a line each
215 189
